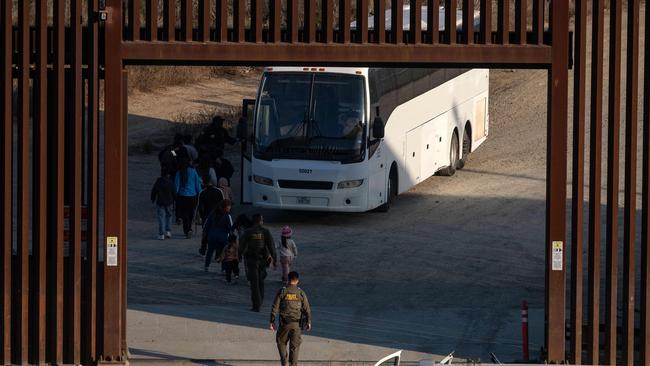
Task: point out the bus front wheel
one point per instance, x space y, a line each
453 157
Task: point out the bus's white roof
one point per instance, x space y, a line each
339 70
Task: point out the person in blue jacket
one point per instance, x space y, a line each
188 186
216 230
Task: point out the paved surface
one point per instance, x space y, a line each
446 269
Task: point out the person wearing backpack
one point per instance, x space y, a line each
230 259
217 229
292 306
257 248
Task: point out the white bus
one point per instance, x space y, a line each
352 139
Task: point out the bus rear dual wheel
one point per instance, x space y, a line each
456 163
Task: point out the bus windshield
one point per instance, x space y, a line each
314 116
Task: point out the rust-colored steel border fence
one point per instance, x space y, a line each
63 220
622 337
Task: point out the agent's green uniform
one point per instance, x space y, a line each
292 305
256 246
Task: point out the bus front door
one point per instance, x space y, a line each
248 108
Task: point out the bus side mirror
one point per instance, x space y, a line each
242 129
378 128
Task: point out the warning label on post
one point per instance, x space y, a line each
111 251
558 256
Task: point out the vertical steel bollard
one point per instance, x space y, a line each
524 329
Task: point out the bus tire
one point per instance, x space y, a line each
453 157
467 146
391 192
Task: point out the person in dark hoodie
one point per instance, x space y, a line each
163 194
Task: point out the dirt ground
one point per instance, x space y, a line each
445 270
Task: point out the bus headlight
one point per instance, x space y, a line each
350 184
263 180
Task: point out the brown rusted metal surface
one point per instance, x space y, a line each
468 21
327 19
310 20
450 21
39 206
644 341
629 234
74 338
578 173
257 9
134 20
503 21
521 7
433 32
344 20
114 137
362 20
169 19
125 198
222 20
613 146
204 20
21 290
239 20
57 123
269 54
486 21
6 96
594 181
90 280
275 20
186 20
538 19
415 21
556 178
152 20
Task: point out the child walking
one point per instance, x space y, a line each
287 251
163 194
230 259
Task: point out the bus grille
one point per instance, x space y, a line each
305 184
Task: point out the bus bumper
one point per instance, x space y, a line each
340 200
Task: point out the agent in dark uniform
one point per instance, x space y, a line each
212 139
257 248
295 314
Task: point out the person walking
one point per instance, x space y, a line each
188 186
213 137
292 306
257 249
163 194
287 251
230 259
209 199
192 152
216 231
225 188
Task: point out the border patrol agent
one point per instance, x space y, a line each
257 248
295 314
